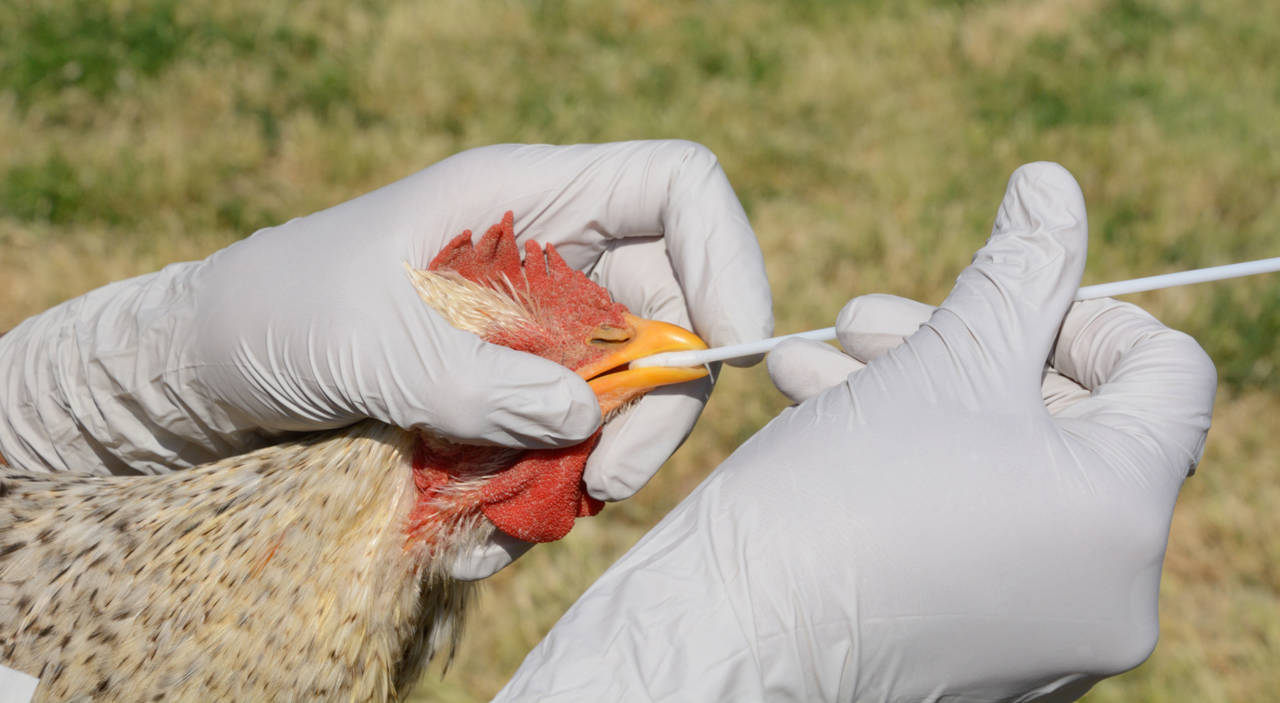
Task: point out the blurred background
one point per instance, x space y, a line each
870 143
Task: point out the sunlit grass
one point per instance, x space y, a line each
870 143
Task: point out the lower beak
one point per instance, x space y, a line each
615 384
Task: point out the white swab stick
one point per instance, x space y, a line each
1181 278
1101 290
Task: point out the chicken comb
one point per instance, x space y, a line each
496 256
562 295
537 498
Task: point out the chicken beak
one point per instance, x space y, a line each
615 384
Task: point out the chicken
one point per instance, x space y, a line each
316 569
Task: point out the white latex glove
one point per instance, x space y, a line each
925 529
313 324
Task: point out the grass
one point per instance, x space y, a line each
869 142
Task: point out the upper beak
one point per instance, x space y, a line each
648 337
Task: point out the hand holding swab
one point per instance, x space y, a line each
1101 290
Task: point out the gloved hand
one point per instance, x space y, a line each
925 529
313 324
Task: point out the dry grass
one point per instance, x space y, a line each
870 144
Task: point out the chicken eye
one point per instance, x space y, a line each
608 335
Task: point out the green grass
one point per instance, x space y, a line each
86 45
870 143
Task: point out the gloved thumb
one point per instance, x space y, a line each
993 333
451 382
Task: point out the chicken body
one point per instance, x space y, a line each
283 574
317 569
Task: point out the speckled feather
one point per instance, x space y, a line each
312 570
284 572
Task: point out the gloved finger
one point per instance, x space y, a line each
1060 392
1151 387
636 442
998 323
871 325
490 557
803 368
581 197
867 327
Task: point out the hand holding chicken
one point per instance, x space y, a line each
312 325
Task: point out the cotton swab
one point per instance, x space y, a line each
1101 290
